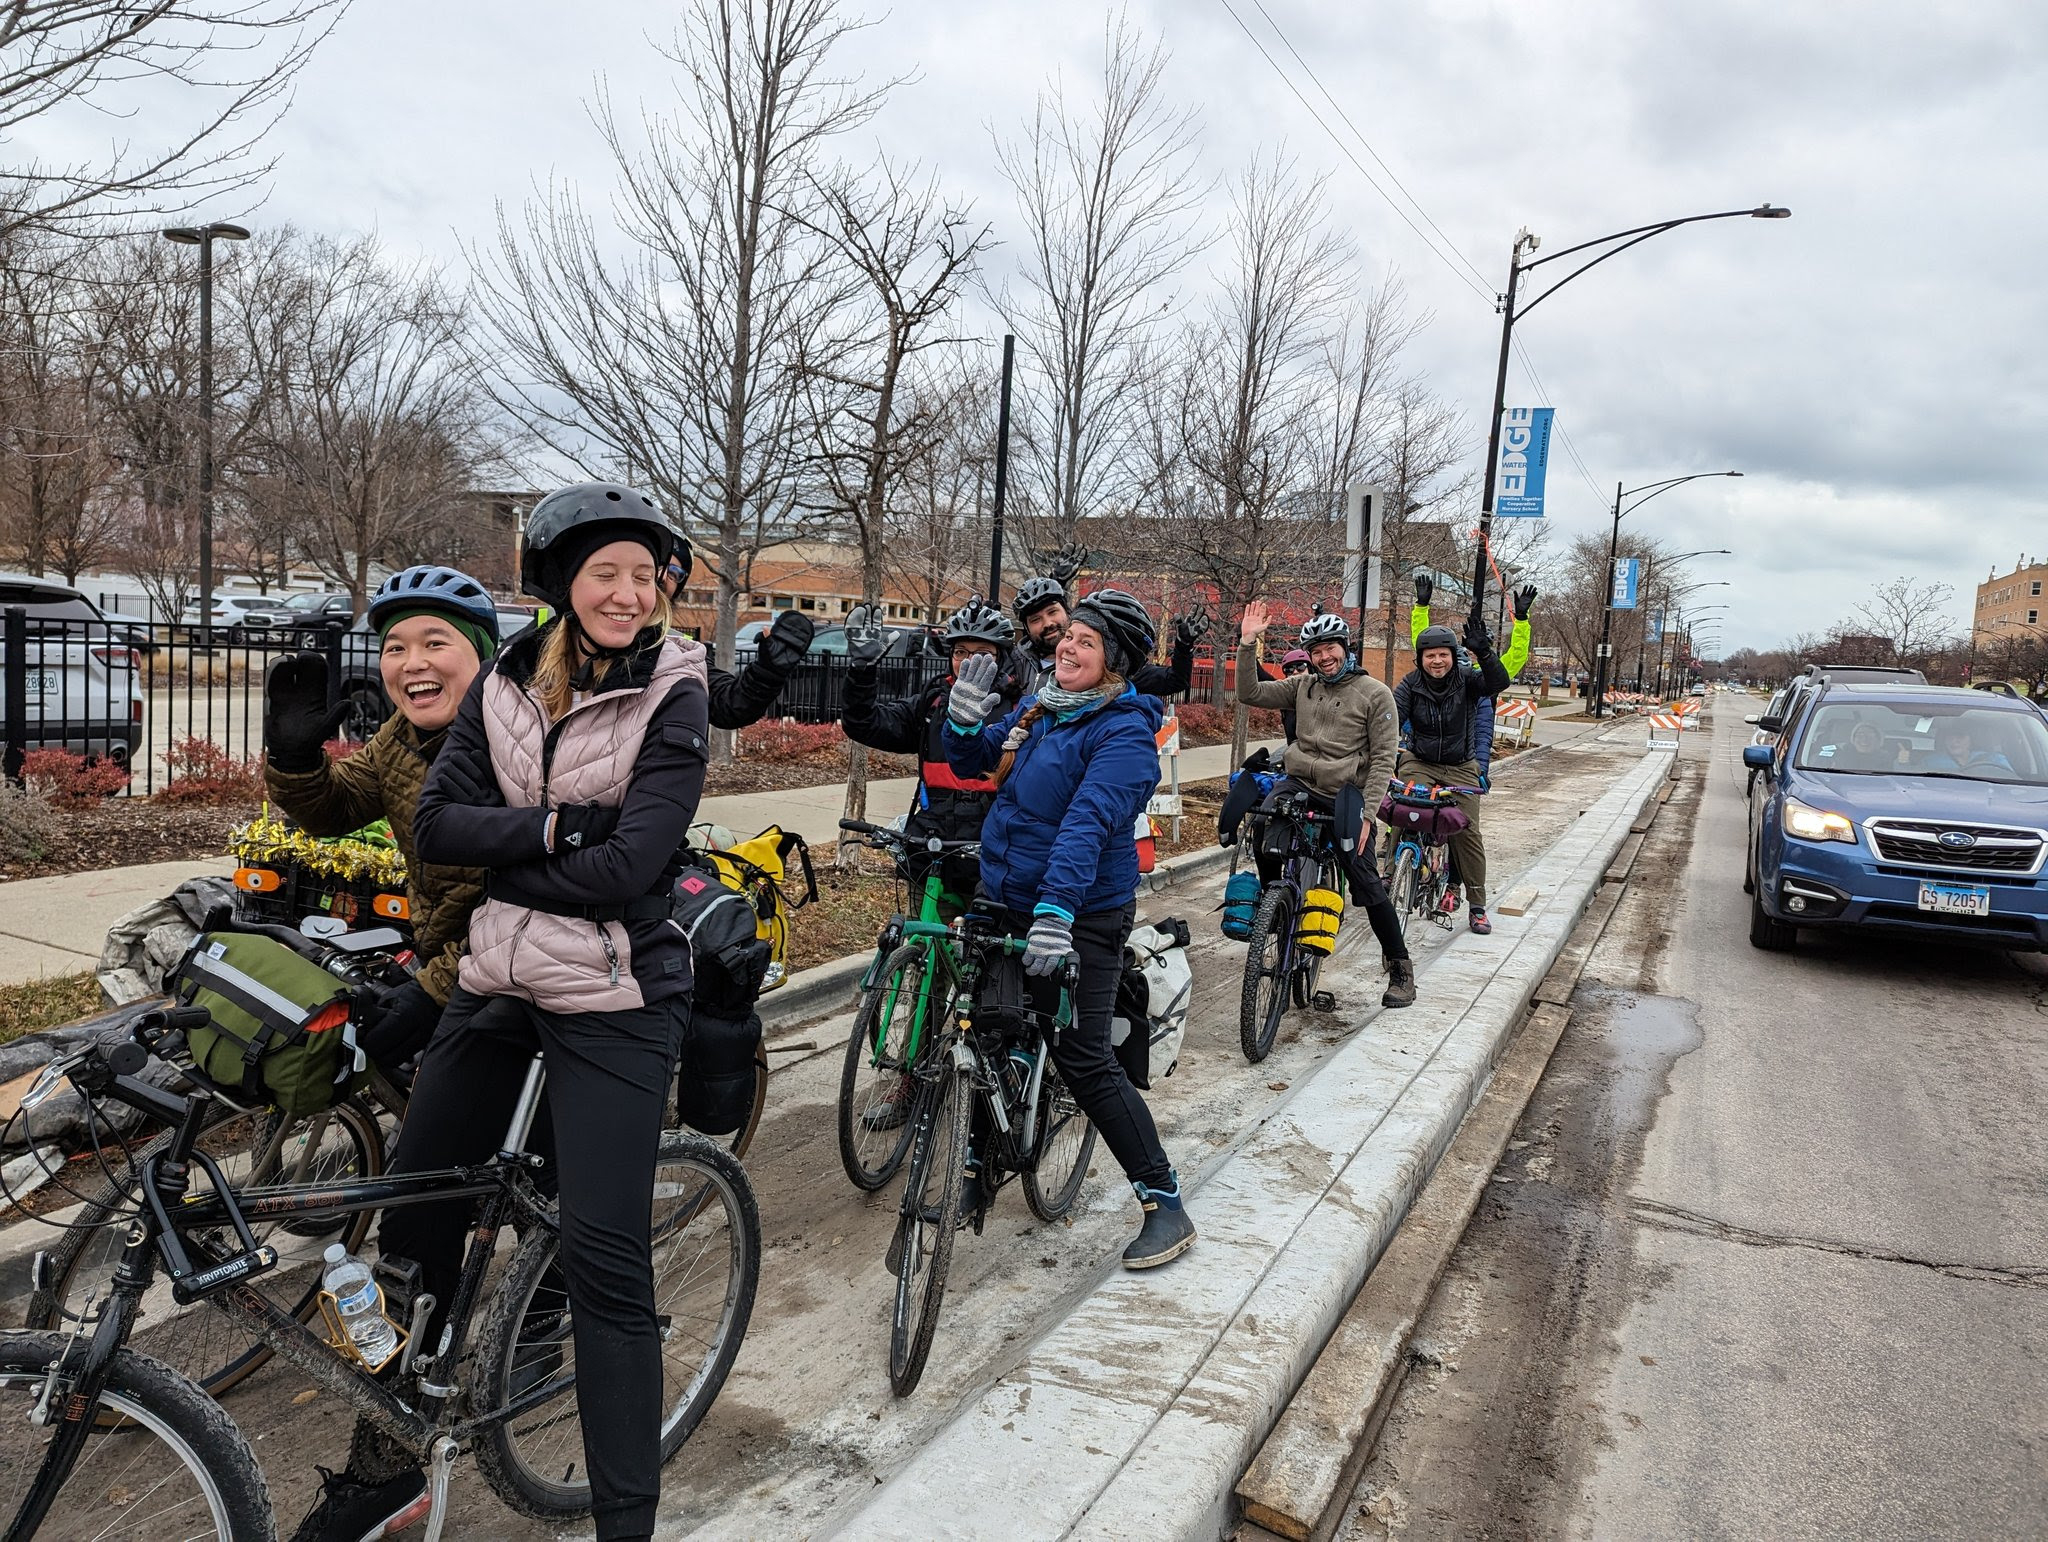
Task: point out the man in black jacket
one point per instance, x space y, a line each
1438 704
1041 606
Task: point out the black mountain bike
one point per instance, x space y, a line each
1032 1128
98 1439
1298 835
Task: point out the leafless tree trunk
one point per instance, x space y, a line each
1108 197
61 60
683 361
910 253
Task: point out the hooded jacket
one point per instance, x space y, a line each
1345 733
382 780
1059 831
1440 718
584 930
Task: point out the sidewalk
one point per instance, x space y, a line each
53 926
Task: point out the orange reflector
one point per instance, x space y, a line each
333 1015
258 880
392 907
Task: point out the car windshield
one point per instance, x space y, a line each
305 602
1922 739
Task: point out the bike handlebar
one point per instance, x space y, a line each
888 836
1427 792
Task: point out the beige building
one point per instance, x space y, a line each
2012 605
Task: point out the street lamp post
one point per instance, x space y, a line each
1684 626
1648 490
1642 632
203 237
1615 244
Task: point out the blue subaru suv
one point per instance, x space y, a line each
1902 808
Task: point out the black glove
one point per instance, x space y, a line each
1477 638
1524 598
579 826
1066 564
297 722
786 643
394 1022
866 638
1425 586
477 789
1193 627
1260 759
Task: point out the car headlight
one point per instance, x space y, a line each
1817 824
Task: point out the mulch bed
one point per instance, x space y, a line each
123 832
825 768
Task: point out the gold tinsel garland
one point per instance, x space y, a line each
367 856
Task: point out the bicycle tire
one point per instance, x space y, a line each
1258 1017
530 1461
927 1221
743 1137
1055 1179
1402 890
871 1163
143 1398
210 1348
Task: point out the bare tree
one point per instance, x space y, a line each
938 522
65 59
911 251
1913 617
1108 198
683 362
373 427
1250 515
1423 444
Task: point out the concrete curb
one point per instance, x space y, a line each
1135 1415
834 986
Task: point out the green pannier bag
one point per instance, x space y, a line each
280 1032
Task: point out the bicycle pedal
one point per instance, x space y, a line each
1323 1001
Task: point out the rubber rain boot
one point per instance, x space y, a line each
1167 1232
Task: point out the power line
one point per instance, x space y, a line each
1481 289
1378 159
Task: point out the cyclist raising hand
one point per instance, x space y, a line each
1074 765
1345 740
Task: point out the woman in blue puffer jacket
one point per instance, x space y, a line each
1075 766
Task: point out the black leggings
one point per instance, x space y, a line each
607 1087
1087 1063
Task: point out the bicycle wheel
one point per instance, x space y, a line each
1268 963
875 1085
743 1137
163 1460
706 1234
255 1147
1401 890
923 1246
1065 1144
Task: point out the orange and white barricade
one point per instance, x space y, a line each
1517 718
1166 801
1672 723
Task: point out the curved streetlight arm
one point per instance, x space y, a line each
1629 238
1650 490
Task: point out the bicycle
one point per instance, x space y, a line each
258 1146
890 1025
90 1426
1033 1129
1420 822
1279 968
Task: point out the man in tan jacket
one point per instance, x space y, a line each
1346 736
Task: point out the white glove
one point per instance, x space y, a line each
974 692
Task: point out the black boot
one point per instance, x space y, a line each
1167 1233
1400 983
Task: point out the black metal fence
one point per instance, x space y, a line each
177 702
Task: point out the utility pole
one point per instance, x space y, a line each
995 552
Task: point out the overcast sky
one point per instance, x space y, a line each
1873 365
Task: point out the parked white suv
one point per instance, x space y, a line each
82 679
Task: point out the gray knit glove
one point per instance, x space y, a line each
974 694
1047 944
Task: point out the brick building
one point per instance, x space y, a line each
2012 605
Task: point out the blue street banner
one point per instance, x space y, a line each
1623 595
1657 626
1524 456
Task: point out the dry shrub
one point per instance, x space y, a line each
201 771
71 781
29 826
784 739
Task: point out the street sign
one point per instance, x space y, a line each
1364 525
1623 594
1524 458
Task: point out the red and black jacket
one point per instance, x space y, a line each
953 804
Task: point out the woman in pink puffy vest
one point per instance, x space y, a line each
571 775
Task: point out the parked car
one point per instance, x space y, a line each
1901 808
82 672
315 612
238 614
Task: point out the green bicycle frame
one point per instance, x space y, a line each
937 937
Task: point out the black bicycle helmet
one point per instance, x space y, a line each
1436 637
430 586
976 622
1034 594
566 526
1125 625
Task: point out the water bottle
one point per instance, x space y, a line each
361 1305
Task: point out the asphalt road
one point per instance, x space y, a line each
1769 1252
